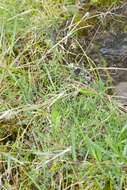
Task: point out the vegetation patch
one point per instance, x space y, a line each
59 126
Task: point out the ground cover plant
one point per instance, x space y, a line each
59 129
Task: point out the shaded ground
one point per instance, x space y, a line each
105 43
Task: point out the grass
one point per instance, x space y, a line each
55 131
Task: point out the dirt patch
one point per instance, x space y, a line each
107 47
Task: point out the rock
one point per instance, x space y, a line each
121 92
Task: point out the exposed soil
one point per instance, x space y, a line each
107 47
